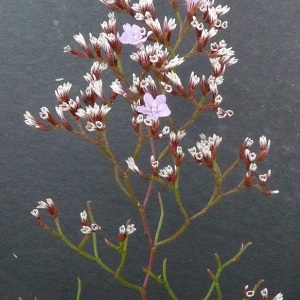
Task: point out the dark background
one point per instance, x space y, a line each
262 89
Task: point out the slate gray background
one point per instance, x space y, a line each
262 89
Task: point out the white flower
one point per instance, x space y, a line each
264 178
179 151
93 113
62 92
176 61
86 229
80 39
169 173
44 114
252 167
175 79
131 165
176 137
264 143
154 163
218 99
49 206
251 156
44 205
264 292
248 142
278 297
130 229
224 113
89 229
124 231
250 294
83 216
30 120
35 213
117 87
96 86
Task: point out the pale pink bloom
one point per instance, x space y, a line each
154 108
134 35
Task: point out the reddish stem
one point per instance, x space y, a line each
150 266
148 193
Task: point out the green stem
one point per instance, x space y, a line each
123 258
152 275
182 33
83 242
161 218
231 168
215 277
56 220
108 152
166 283
218 177
195 115
83 134
177 197
95 245
91 216
78 289
93 258
176 235
130 191
120 184
216 284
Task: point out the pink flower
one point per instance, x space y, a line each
154 108
134 35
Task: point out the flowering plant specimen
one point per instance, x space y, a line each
149 96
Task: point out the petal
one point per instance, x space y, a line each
148 99
136 30
152 117
127 27
160 99
144 110
163 110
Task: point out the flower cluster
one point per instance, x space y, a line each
251 160
125 231
107 48
48 205
86 227
207 150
